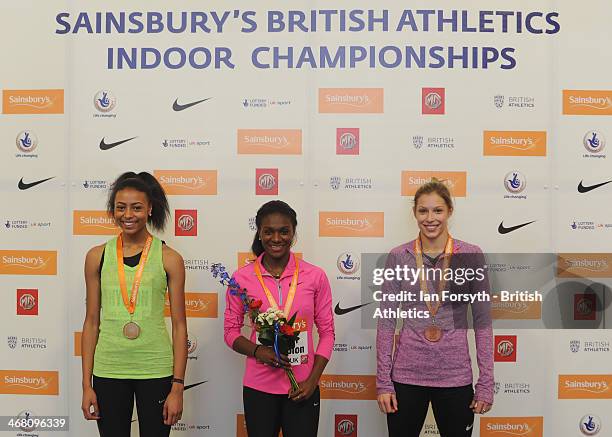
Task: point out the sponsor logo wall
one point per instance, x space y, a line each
524 157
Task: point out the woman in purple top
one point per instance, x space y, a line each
430 361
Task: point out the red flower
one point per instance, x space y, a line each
255 304
287 330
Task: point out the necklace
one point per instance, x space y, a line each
269 270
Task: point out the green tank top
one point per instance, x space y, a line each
149 355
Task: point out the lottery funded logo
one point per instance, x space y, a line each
433 101
594 142
590 424
26 142
345 425
104 101
266 181
515 182
347 141
186 222
27 302
505 348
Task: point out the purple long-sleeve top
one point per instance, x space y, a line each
445 363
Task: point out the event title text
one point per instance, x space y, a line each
406 23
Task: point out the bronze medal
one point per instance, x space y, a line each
131 330
433 333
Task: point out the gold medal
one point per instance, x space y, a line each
131 330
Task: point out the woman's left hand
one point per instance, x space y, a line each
306 389
480 407
173 407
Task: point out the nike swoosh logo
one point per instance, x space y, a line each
187 387
467 428
178 107
341 311
24 186
105 146
583 189
504 230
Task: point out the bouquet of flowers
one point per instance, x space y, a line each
272 327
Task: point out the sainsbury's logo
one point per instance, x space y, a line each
512 426
93 223
514 143
33 101
351 224
351 100
188 182
456 181
585 387
203 305
28 262
29 382
360 387
584 265
587 102
269 141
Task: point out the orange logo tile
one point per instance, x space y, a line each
351 224
585 386
188 182
456 181
29 382
516 310
77 343
198 305
514 143
93 223
359 387
241 430
32 101
584 265
351 100
587 102
28 262
512 426
269 141
245 258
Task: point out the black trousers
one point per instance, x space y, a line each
116 404
451 408
266 414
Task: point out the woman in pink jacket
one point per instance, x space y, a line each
269 403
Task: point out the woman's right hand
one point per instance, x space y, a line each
90 399
266 355
387 402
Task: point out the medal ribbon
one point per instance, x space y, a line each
292 288
448 253
130 303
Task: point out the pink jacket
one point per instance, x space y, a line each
313 303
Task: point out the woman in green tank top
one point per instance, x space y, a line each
126 349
